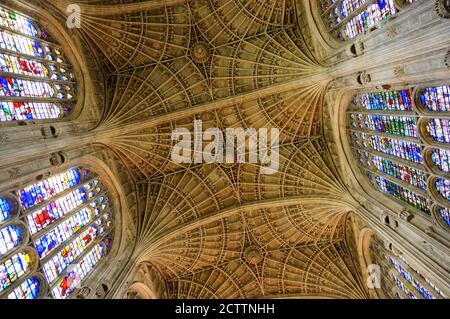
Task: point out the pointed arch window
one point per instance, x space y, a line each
36 80
401 140
401 278
60 234
347 19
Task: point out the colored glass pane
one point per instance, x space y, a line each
398 148
41 191
444 215
62 232
29 289
439 130
410 278
17 111
373 14
67 284
10 237
31 68
443 187
388 100
396 125
404 194
17 22
12 269
441 158
402 172
60 261
5 209
436 98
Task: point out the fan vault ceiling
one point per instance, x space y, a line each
222 230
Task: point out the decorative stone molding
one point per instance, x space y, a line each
3 138
364 78
83 293
399 71
443 8
405 215
356 49
392 32
200 52
49 131
447 59
57 159
253 254
14 173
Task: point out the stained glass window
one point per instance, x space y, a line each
70 220
10 237
348 18
398 148
390 147
411 282
441 158
410 278
33 71
439 130
66 285
396 125
444 215
29 289
387 100
436 99
403 172
404 194
12 269
5 209
443 188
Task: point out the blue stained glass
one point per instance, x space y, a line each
387 100
10 237
364 21
404 194
39 192
402 172
12 269
348 6
410 278
402 287
402 149
436 98
29 289
439 130
5 209
397 125
443 188
441 158
444 214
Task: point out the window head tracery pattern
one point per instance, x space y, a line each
36 80
346 19
62 233
401 142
